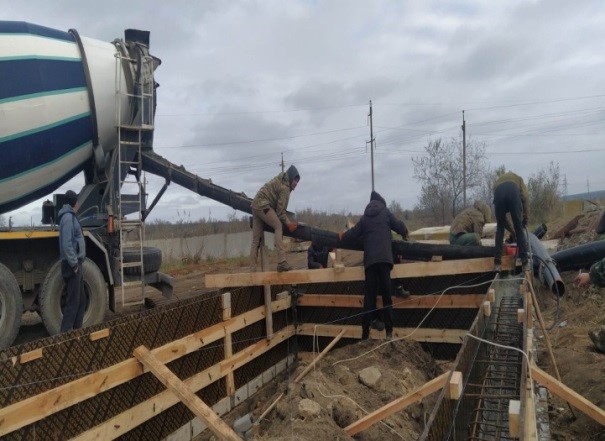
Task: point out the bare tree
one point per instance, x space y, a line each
546 189
440 172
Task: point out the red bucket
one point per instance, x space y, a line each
511 249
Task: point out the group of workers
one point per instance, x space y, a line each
269 208
511 206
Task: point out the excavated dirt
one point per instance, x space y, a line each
344 386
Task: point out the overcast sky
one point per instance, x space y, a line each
244 81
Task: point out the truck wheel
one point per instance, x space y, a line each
11 307
152 259
53 293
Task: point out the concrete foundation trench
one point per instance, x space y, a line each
178 371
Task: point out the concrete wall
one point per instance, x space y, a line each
218 246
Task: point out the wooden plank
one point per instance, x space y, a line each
137 415
411 302
487 308
491 294
264 258
514 413
565 229
30 356
228 348
565 393
429 335
455 385
350 274
39 406
399 404
97 335
186 395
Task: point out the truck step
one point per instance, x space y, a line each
132 264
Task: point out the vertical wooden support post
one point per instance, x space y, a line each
264 256
455 385
514 411
226 301
530 310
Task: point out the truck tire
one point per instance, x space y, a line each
52 296
152 260
11 307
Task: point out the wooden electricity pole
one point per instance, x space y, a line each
371 144
463 161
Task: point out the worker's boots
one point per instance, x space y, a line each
400 291
283 266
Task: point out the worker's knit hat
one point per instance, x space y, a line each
71 197
375 196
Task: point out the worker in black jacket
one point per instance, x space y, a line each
317 256
374 228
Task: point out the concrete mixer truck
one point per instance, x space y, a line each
70 105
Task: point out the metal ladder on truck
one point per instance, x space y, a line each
134 113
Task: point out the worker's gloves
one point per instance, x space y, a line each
292 226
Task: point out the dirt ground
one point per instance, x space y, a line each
582 368
347 384
342 398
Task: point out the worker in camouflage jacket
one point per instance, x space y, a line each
511 196
596 276
269 208
467 227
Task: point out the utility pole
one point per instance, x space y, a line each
282 162
463 161
371 144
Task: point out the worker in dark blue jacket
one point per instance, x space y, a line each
374 228
72 249
317 256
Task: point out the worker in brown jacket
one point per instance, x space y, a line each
467 227
511 196
269 208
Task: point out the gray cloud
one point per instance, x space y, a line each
244 81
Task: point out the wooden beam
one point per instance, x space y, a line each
31 356
264 258
411 302
137 415
565 393
428 335
399 404
514 414
189 399
351 274
39 406
97 335
228 348
455 385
